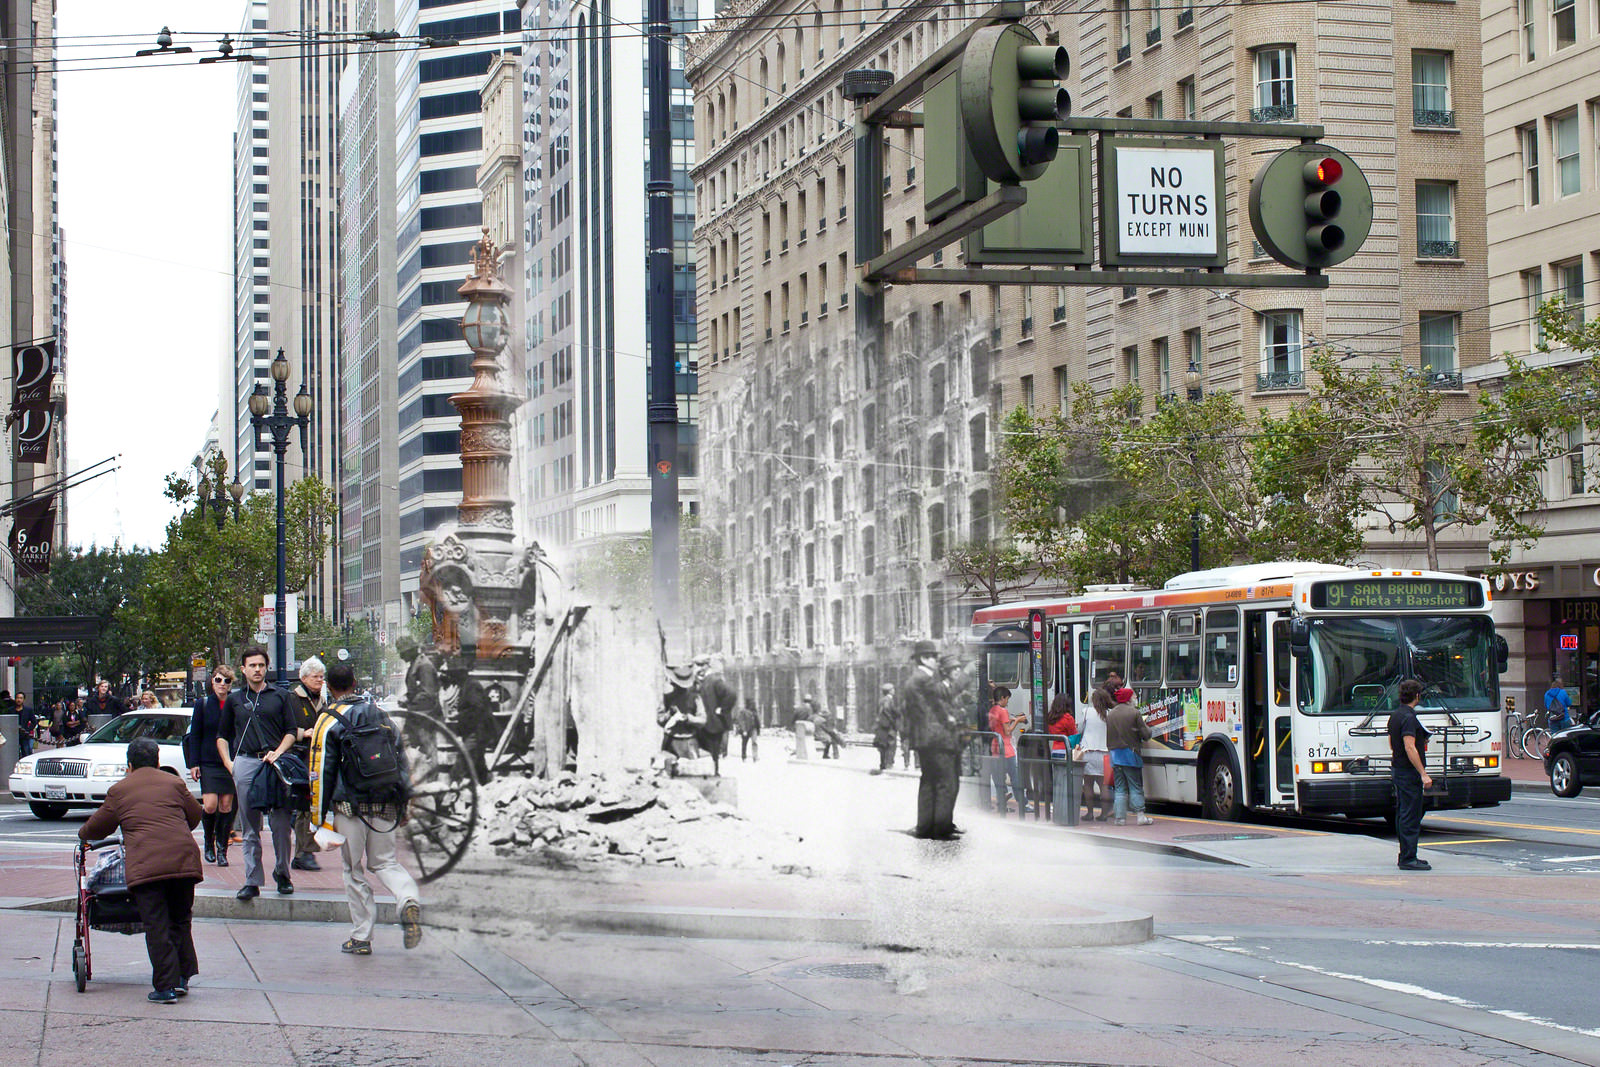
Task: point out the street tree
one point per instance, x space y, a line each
1432 460
105 584
203 589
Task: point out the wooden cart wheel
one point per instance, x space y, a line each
444 794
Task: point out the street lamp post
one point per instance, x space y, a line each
1191 382
279 423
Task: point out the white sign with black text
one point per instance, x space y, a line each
1167 202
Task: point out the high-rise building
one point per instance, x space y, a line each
1541 123
584 158
369 497
438 218
839 473
287 261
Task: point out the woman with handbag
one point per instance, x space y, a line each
205 766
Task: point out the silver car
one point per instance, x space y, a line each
78 776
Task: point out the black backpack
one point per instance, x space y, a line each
369 756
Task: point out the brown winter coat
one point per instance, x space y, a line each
1126 727
157 814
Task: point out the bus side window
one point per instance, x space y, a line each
1222 647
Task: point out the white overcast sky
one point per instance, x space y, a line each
146 192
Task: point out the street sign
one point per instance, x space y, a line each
266 620
1162 202
1056 225
197 661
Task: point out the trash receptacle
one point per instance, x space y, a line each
987 766
1064 793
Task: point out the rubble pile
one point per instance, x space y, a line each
628 819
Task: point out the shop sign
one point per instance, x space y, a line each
1515 581
1569 642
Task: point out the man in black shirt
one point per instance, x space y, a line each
256 728
1408 743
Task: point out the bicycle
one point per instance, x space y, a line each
1522 727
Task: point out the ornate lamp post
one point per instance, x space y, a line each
211 490
279 423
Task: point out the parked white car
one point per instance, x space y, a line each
54 780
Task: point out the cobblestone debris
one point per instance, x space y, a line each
624 819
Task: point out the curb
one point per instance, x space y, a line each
214 904
1112 927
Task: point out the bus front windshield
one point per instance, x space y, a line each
1357 665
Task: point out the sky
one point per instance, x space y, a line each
145 191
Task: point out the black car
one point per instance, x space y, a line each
1573 759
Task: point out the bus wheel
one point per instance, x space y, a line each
1219 792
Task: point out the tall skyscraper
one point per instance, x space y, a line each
286 262
438 215
584 167
369 496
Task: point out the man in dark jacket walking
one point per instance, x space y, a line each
157 815
27 723
929 714
256 729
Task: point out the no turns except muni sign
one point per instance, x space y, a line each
1163 202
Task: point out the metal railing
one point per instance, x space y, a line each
1280 379
1272 113
1438 249
1431 117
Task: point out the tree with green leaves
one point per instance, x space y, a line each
105 584
1432 460
203 589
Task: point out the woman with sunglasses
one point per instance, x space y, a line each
205 766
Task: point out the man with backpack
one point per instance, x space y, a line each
1557 705
360 788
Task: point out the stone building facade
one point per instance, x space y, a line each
838 480
1541 61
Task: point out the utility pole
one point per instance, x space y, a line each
664 515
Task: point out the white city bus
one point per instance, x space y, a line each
1268 686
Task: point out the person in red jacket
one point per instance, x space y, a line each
157 815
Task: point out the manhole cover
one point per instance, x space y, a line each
872 972
1221 837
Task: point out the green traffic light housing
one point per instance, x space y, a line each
1011 102
1311 207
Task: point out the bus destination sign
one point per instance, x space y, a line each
1395 594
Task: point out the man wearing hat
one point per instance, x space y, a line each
422 677
720 700
929 715
885 728
682 717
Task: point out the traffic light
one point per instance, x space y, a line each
1311 207
1011 101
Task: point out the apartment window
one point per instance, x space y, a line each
1525 16
1436 333
1027 311
1187 103
1153 34
1430 90
1530 165
1163 366
1564 134
1436 223
1533 294
1564 23
1274 85
1063 391
1124 30
1575 479
1130 364
1446 502
1027 392
1195 348
1569 278
1281 366
1153 106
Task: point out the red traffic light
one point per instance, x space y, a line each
1324 171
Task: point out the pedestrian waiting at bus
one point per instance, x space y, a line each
1003 752
1126 733
1096 761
